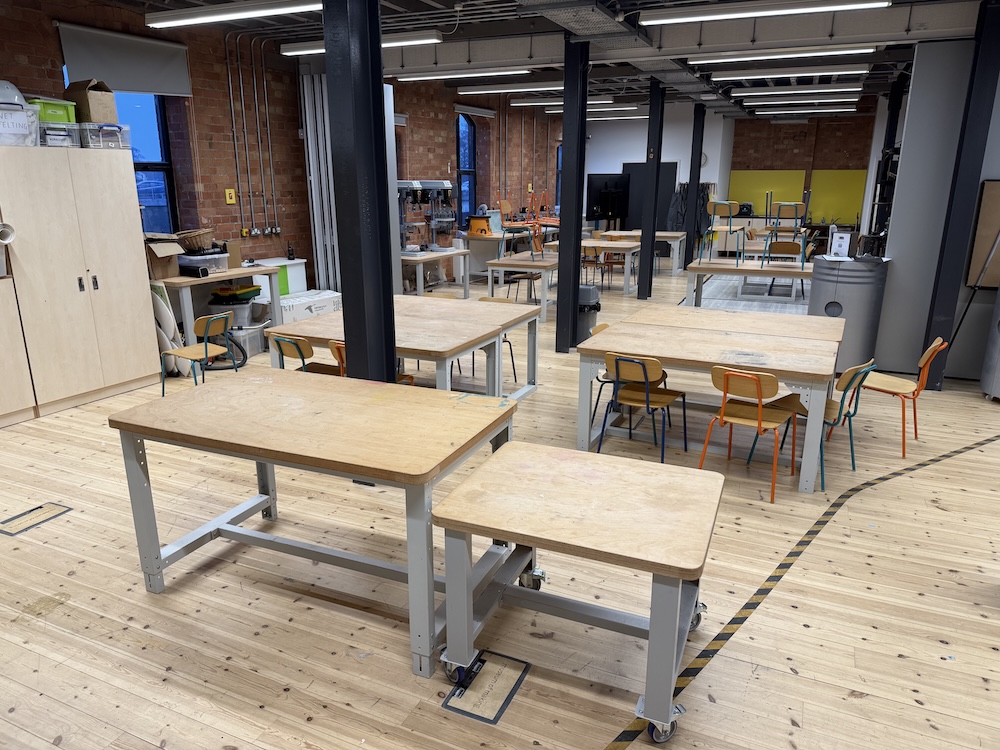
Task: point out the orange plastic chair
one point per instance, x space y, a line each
759 386
339 350
905 389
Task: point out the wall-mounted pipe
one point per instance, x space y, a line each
256 117
270 150
246 140
236 142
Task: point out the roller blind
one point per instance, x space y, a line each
125 62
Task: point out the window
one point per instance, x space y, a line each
466 131
146 118
558 178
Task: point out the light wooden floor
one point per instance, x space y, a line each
883 634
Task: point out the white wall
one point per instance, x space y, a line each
926 167
612 144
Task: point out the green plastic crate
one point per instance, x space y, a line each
55 110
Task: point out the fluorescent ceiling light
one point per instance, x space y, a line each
806 100
472 74
510 88
613 108
732 11
625 117
832 88
228 12
557 102
826 70
409 39
804 111
782 54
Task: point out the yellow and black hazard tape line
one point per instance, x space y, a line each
638 726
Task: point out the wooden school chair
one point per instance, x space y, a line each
339 350
301 349
200 353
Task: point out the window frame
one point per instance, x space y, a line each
165 166
470 172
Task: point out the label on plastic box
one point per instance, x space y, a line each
16 122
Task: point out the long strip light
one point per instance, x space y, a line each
806 100
613 108
782 54
511 88
203 14
832 88
555 102
472 74
625 117
407 39
804 111
828 70
734 11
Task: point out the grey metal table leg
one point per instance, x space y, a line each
143 514
663 650
458 598
266 486
420 577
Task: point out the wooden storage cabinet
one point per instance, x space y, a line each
17 399
79 271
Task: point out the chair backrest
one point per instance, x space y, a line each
598 328
744 384
505 208
339 351
793 211
723 209
292 346
849 383
628 369
937 346
503 300
213 325
592 253
784 248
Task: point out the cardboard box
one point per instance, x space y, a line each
161 256
95 101
302 306
235 257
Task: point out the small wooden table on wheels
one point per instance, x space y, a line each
389 434
672 510
461 259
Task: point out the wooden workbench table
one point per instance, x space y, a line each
819 327
677 240
385 433
459 255
526 262
672 512
698 271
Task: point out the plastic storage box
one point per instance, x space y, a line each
240 311
63 134
105 135
214 263
291 275
54 110
18 125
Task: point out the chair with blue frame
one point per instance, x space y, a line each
792 231
640 384
200 353
837 411
722 214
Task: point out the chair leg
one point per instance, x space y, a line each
604 427
729 453
708 437
512 365
652 419
795 436
163 377
670 422
684 420
822 466
597 403
914 402
902 402
774 465
194 372
630 423
850 432
754 447
663 440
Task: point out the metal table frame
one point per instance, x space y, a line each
497 266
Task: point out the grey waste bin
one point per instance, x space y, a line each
851 289
589 306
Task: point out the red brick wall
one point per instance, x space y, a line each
200 128
822 143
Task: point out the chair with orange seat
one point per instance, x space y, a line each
339 350
745 385
639 383
905 389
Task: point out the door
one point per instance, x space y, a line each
16 393
107 206
36 198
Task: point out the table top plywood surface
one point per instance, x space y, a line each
432 255
384 431
636 235
176 282
638 514
527 260
791 358
619 246
416 337
446 310
750 268
818 327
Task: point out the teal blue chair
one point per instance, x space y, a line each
725 211
200 353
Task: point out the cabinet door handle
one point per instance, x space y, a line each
79 281
93 280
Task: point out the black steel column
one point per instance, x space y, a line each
960 216
651 188
577 62
883 186
692 219
353 42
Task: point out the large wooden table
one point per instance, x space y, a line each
677 240
818 327
643 516
389 434
627 248
439 331
526 262
460 256
698 271
184 285
805 363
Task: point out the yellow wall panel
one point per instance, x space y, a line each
751 186
837 195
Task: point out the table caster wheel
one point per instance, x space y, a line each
454 673
531 579
660 736
696 617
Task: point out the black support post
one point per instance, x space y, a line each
357 144
960 215
577 62
651 188
883 188
691 217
